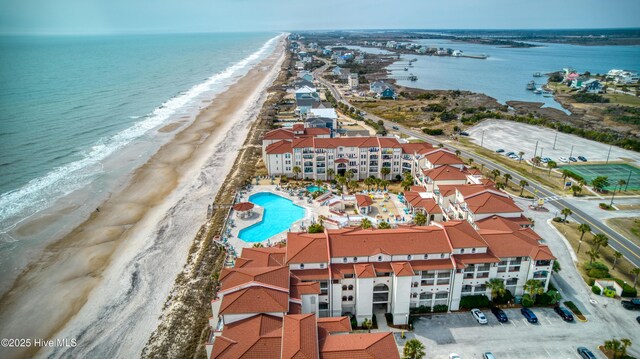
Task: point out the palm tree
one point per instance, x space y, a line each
384 225
330 173
367 323
600 240
413 349
420 219
495 173
496 286
565 174
621 183
458 153
369 182
349 174
258 245
384 184
296 171
366 223
470 160
533 287
353 185
377 182
576 189
618 347
566 212
551 165
616 255
593 255
520 154
523 184
342 180
507 177
583 228
385 171
636 273
500 185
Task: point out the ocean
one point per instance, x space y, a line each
79 113
506 72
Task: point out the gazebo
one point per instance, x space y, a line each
243 209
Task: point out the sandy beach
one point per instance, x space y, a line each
104 284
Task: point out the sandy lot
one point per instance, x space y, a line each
514 136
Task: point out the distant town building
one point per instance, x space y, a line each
353 80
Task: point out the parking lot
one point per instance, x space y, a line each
514 136
551 337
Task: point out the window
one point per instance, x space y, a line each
344 287
302 266
350 287
348 275
473 250
426 256
313 300
321 265
409 257
379 258
355 259
344 260
414 295
442 255
350 299
344 299
324 306
442 295
461 250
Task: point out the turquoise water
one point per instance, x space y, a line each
69 102
506 72
315 189
279 215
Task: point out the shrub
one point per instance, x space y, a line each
598 273
573 308
433 132
316 228
389 318
354 322
503 299
589 98
596 265
609 293
440 308
543 299
557 219
591 281
627 290
596 290
527 301
420 310
374 322
474 301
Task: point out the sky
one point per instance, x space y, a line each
169 16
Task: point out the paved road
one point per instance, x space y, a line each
616 241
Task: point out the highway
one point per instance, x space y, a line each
616 241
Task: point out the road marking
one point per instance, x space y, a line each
614 239
548 320
546 351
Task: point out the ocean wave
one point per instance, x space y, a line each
40 192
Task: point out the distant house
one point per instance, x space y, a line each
322 122
623 76
307 93
342 73
306 75
336 71
341 60
353 80
300 83
382 90
303 106
592 86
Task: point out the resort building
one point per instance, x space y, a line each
364 156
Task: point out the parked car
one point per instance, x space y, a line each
582 158
499 150
488 355
463 133
547 159
479 316
563 159
586 353
638 319
500 315
564 313
454 356
514 157
633 304
395 127
573 159
509 154
529 315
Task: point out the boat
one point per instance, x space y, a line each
413 77
531 86
537 74
406 69
537 91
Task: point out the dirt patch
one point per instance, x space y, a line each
628 227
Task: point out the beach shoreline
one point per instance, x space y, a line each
71 274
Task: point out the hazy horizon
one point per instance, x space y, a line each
79 17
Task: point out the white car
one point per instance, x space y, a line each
454 356
479 316
563 159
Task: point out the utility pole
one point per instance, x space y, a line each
571 153
533 160
541 150
613 195
628 180
608 154
554 140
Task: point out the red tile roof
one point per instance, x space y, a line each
360 142
445 173
271 276
491 202
402 269
417 189
279 134
417 201
255 337
299 288
255 300
278 148
443 157
297 127
300 337
360 346
432 264
416 148
476 258
462 235
332 325
364 270
363 200
367 242
471 189
306 248
311 274
262 257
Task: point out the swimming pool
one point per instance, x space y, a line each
315 189
279 214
